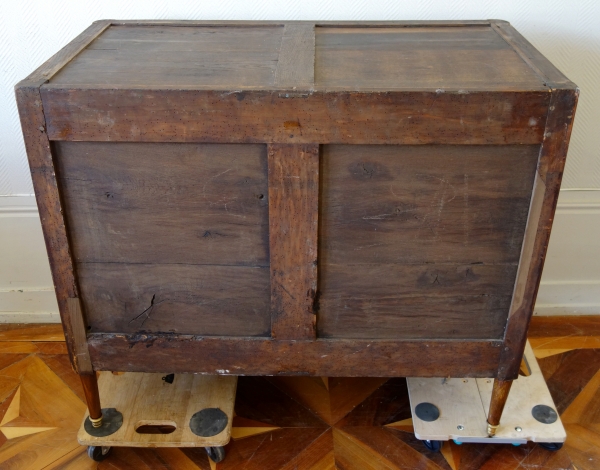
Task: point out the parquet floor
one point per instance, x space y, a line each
296 422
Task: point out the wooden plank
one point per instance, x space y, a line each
356 118
532 57
28 347
328 358
49 206
172 57
468 59
473 317
421 241
296 64
564 326
424 204
528 245
554 335
81 355
37 145
146 399
293 233
357 24
165 203
59 60
550 168
31 332
182 298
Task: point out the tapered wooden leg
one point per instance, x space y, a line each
499 397
92 397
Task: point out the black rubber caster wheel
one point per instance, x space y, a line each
98 453
553 446
434 446
216 454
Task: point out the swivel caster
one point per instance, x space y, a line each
216 454
434 446
553 446
98 453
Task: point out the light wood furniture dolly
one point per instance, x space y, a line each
154 410
456 408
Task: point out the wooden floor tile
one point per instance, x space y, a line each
567 374
585 408
269 451
61 366
294 423
32 332
318 455
258 399
330 400
553 335
365 447
8 359
583 447
388 404
45 401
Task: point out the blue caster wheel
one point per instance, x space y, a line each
434 446
216 454
552 446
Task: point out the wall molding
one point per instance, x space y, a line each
571 280
18 206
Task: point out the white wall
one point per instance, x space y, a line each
567 32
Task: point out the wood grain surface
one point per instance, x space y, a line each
240 116
293 235
389 58
261 356
165 203
181 240
176 298
296 63
551 164
175 56
410 233
50 209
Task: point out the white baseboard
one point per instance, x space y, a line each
571 279
29 317
570 284
29 306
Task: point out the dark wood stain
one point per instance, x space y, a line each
177 56
176 298
293 224
179 241
550 170
159 115
259 356
444 58
421 232
165 203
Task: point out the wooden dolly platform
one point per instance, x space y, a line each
154 410
463 403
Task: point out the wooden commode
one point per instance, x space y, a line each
297 198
